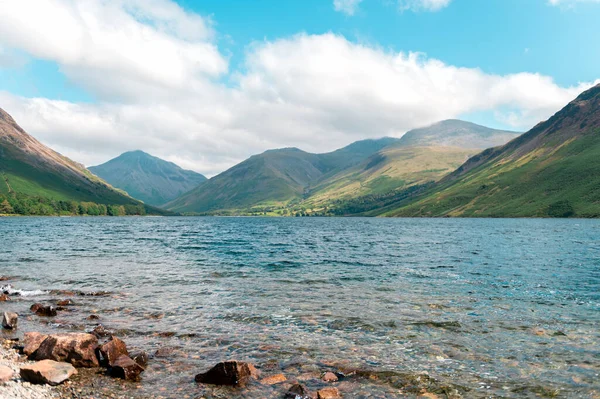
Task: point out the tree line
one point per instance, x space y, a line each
20 204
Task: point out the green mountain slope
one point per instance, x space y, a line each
273 178
420 156
30 169
552 170
148 178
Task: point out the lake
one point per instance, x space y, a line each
482 307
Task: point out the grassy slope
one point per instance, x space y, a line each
274 178
41 172
550 171
390 169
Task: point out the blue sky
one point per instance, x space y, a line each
228 77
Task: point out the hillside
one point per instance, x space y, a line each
273 178
29 169
420 156
148 178
552 170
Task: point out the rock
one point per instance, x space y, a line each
42 310
229 373
32 341
75 348
6 374
93 317
273 379
9 320
65 302
328 393
100 332
330 377
47 372
298 391
111 351
141 358
4 298
124 367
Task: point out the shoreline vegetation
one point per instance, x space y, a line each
96 363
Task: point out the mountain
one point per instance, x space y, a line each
420 156
457 133
148 178
273 178
552 170
29 169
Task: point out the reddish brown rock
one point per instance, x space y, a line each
6 374
273 379
42 310
298 391
65 302
124 367
47 372
229 373
330 377
141 358
32 341
10 320
100 332
328 393
4 298
111 351
75 348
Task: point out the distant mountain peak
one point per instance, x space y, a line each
148 178
457 133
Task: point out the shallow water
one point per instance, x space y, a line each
493 308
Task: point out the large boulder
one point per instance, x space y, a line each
32 341
229 373
9 320
111 351
126 368
47 372
75 348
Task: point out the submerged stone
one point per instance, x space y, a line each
228 373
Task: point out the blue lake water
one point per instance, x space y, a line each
489 307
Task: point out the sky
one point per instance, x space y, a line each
207 83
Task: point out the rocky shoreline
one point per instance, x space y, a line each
96 363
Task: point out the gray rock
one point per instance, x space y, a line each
9 320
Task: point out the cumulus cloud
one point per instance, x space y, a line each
158 81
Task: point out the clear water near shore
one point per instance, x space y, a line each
505 308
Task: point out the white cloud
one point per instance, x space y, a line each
157 78
570 2
423 5
347 7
